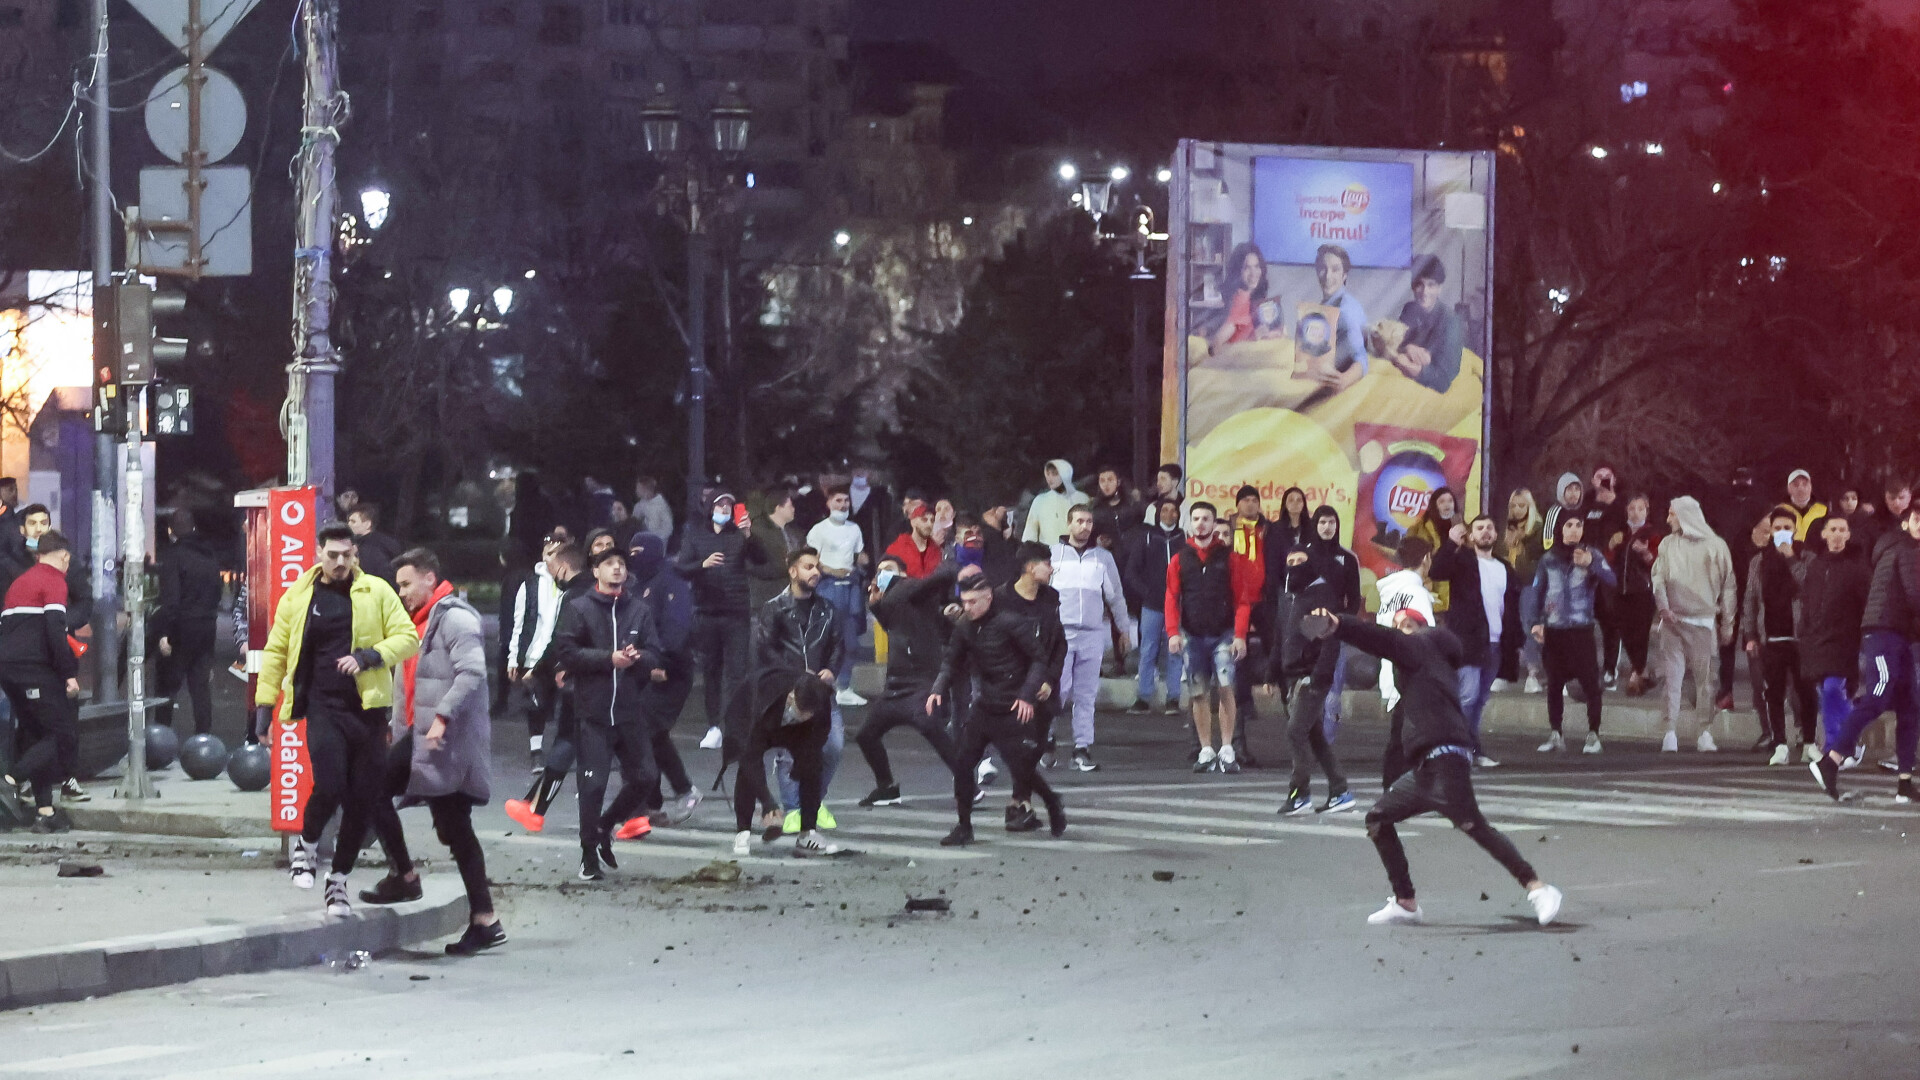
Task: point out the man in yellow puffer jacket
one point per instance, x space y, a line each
337 637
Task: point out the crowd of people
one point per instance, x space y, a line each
996 626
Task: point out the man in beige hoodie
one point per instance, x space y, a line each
1694 592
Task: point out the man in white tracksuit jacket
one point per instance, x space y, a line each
1088 581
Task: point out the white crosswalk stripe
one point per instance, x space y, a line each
67 1064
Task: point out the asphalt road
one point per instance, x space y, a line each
1722 920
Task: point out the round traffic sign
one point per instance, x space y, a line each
223 115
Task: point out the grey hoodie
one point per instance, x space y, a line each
1693 574
1548 528
1047 517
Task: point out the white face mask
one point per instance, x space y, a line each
721 517
839 516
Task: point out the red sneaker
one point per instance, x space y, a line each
633 828
521 811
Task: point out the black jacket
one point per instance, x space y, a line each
377 551
1893 596
912 611
1044 611
1426 665
190 588
725 589
1004 649
33 627
1833 596
798 634
1466 616
592 625
1143 569
1330 578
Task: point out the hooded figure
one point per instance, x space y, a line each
1321 575
1551 527
1047 517
1693 574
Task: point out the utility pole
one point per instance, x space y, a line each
106 645
308 419
697 258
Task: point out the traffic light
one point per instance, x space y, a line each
170 408
128 350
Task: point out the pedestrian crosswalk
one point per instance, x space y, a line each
1222 814
148 1061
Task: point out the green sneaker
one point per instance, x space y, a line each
825 818
792 824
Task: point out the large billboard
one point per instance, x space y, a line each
1329 316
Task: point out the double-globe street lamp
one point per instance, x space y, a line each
1095 196
698 178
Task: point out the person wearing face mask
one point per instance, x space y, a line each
843 561
716 556
912 612
1769 618
1633 565
1800 500
1047 517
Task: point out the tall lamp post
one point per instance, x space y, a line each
1094 194
697 179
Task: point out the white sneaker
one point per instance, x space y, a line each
1533 685
1502 686
1705 743
301 861
1593 743
1780 755
984 773
1848 764
1670 743
743 843
848 697
1555 743
337 905
1204 763
1485 762
1809 754
1546 903
1393 913
712 739
813 844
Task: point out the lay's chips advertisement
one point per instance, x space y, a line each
1329 315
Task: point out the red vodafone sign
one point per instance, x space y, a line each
289 552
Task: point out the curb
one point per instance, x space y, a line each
97 968
105 816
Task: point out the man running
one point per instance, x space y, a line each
1429 731
911 611
530 813
1890 625
1006 652
337 635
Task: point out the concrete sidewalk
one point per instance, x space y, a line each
170 911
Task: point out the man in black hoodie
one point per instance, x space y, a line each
1889 625
1769 622
1031 596
670 598
1006 651
716 555
911 611
607 646
1431 742
190 589
1321 575
1833 598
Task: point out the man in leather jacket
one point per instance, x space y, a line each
799 631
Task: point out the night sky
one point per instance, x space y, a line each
1030 42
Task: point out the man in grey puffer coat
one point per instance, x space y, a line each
440 755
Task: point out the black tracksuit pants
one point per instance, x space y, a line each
1020 746
1780 665
1635 620
46 720
452 823
191 666
805 743
350 774
1307 721
1568 656
721 644
599 745
1443 785
661 704
909 709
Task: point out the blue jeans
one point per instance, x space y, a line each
848 601
1476 683
1157 662
830 762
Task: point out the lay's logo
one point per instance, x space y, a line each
1408 503
1356 198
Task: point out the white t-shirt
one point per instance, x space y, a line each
1400 589
1493 594
838 545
